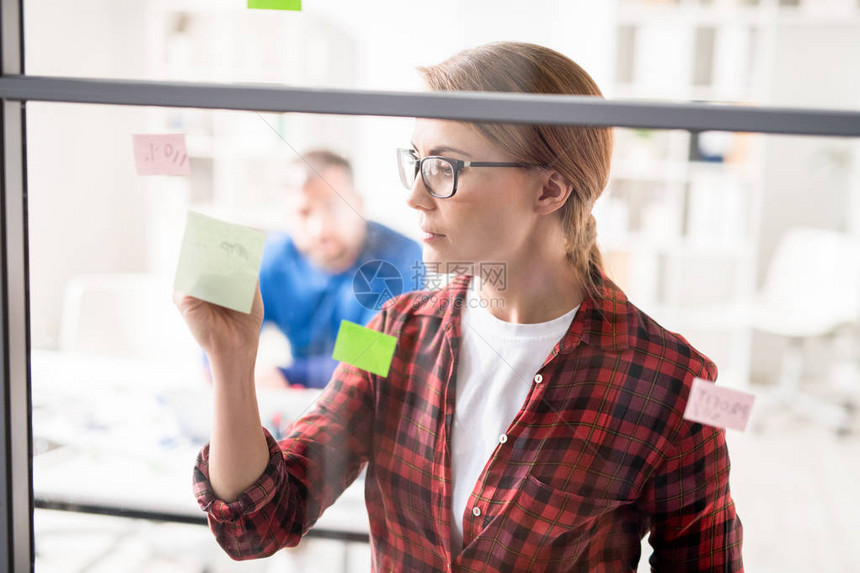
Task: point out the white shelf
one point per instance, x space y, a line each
678 246
707 210
723 52
634 92
689 15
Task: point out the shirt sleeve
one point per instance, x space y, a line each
694 526
323 453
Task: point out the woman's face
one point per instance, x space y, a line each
491 216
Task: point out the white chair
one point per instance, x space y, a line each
124 314
812 289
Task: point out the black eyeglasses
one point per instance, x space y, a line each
440 174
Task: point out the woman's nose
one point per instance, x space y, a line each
419 198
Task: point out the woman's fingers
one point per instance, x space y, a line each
218 329
186 303
257 306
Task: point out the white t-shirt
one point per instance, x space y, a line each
496 365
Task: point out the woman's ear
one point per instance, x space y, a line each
554 191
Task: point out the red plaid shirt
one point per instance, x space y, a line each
598 456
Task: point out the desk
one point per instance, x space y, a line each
119 436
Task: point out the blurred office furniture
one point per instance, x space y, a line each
679 220
812 289
688 218
127 371
118 435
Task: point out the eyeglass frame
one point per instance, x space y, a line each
457 164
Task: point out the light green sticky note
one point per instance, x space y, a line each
219 262
275 4
364 348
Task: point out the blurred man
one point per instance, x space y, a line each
307 276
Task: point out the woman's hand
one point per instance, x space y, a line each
238 452
221 332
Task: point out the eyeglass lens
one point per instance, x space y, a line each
437 174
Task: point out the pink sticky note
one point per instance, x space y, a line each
717 406
161 154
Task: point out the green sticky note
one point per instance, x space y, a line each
364 348
219 262
275 4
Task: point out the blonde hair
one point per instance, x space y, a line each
581 155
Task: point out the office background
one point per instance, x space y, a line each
693 225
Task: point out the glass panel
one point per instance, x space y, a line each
747 246
720 50
742 243
121 392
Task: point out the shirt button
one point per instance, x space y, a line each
538 378
503 438
476 511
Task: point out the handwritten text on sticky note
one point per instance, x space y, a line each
718 406
275 4
161 154
364 348
219 262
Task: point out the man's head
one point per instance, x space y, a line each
324 211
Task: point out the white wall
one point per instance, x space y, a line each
803 178
85 204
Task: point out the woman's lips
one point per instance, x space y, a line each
427 236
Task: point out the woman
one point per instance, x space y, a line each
530 424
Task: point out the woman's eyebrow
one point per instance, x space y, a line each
442 149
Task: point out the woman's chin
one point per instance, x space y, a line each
447 263
431 254
436 257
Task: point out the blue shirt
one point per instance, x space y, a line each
307 303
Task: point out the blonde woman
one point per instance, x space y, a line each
530 424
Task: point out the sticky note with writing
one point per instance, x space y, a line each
161 154
718 406
219 262
364 348
275 4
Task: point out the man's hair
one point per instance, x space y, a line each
315 161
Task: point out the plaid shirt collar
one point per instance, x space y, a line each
603 319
